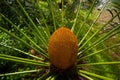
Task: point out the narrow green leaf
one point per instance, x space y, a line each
99 51
23 33
62 10
82 25
44 76
97 32
22 52
48 31
100 63
95 75
35 34
87 77
52 12
43 17
36 28
23 60
21 72
81 41
16 37
103 38
50 78
76 18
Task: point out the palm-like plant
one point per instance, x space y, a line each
93 59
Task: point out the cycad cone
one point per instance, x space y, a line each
62 48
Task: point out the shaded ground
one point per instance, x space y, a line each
105 16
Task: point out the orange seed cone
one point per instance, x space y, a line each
62 48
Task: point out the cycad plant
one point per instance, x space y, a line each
64 43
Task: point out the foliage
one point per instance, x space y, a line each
94 59
11 10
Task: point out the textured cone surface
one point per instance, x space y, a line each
62 48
